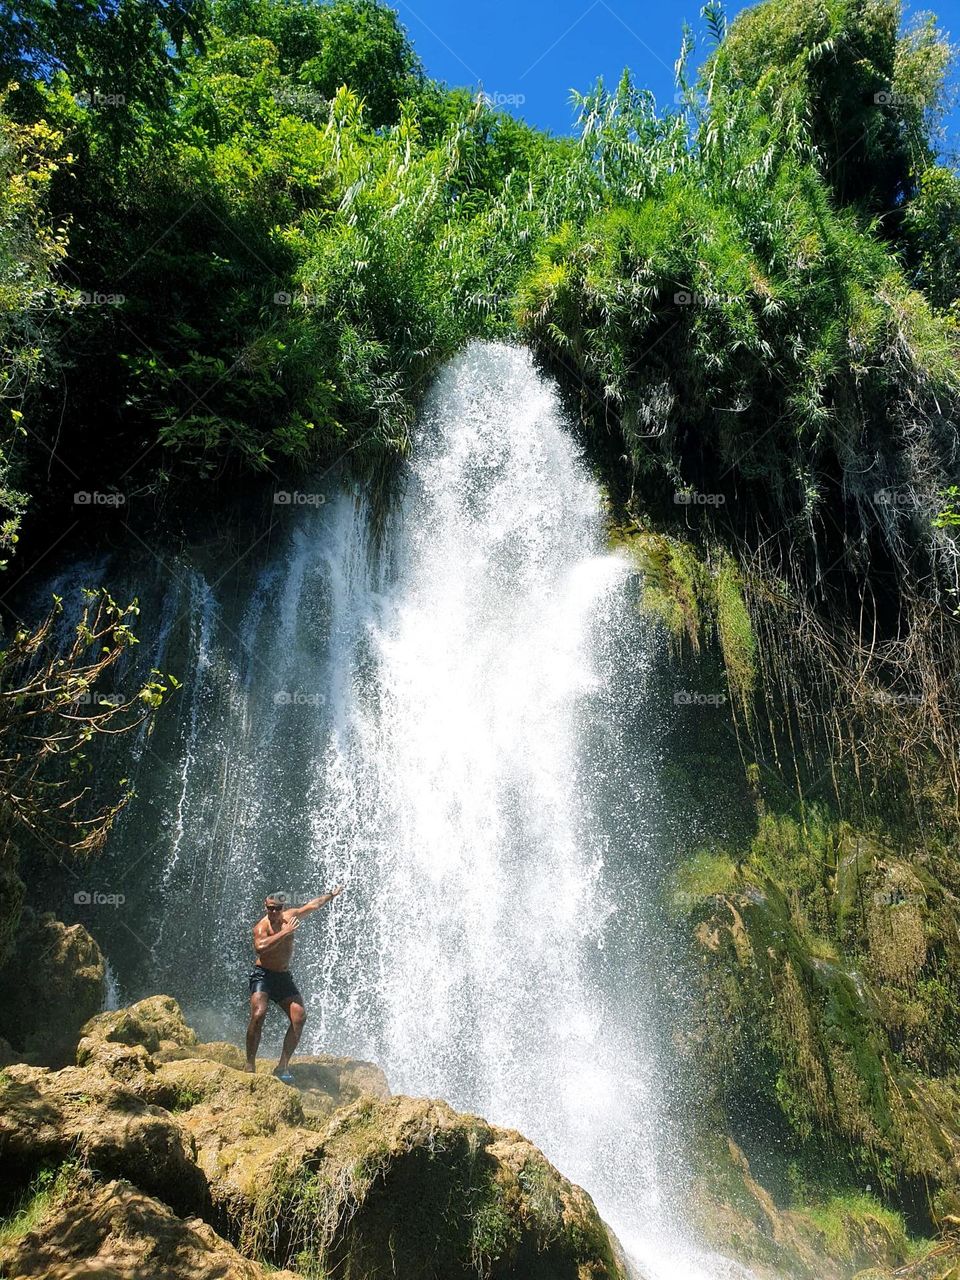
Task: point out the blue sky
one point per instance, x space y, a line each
529 54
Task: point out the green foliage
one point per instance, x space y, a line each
31 246
359 44
932 235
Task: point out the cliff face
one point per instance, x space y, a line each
824 1028
158 1153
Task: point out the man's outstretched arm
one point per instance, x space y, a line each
316 903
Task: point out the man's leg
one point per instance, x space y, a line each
259 1003
298 1016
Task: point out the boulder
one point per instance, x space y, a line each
830 1238
326 1082
340 1178
47 1117
156 1023
53 981
407 1187
115 1232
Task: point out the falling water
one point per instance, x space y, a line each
444 719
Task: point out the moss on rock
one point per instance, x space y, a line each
52 982
824 1017
117 1231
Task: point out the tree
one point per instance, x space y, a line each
865 92
52 706
357 43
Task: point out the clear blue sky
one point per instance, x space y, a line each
529 54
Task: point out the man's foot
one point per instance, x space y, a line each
283 1073
251 1067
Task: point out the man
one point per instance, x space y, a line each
271 978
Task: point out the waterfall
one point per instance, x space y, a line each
450 720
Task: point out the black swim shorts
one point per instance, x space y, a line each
278 986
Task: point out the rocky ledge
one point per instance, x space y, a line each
157 1156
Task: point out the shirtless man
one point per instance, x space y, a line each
271 978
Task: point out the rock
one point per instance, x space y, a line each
156 1023
214 1051
53 981
114 1232
47 1117
408 1187
338 1179
326 1082
824 1241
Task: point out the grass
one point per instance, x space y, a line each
838 1217
46 1191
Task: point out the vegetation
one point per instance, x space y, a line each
52 705
49 1188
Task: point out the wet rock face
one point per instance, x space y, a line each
409 1187
53 981
332 1175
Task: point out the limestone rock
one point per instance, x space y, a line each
213 1051
340 1178
115 1232
326 1082
156 1023
53 982
409 1187
736 1214
47 1117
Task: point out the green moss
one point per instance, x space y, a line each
735 630
494 1231
701 876
842 1219
673 582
